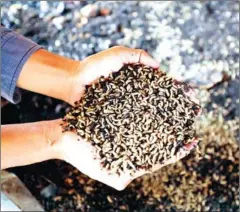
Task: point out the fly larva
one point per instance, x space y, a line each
140 69
130 68
116 155
108 111
160 144
81 132
139 151
154 150
109 123
144 145
149 161
154 159
152 139
171 138
131 165
164 138
145 128
168 130
108 149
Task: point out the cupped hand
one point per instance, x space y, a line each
82 155
102 64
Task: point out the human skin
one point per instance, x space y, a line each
65 79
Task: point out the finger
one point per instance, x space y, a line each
129 55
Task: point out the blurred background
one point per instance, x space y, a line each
194 41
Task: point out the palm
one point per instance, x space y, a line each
81 154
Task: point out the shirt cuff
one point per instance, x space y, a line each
16 50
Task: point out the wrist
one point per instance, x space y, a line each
49 74
52 133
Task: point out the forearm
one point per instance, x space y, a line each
24 144
49 74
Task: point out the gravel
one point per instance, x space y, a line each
196 42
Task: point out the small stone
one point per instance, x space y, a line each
88 10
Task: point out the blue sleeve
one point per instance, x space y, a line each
15 51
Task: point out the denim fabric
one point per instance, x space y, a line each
15 51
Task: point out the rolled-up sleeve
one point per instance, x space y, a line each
15 51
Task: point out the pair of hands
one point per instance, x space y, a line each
80 153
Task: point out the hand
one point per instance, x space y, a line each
102 64
81 155
79 152
65 79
